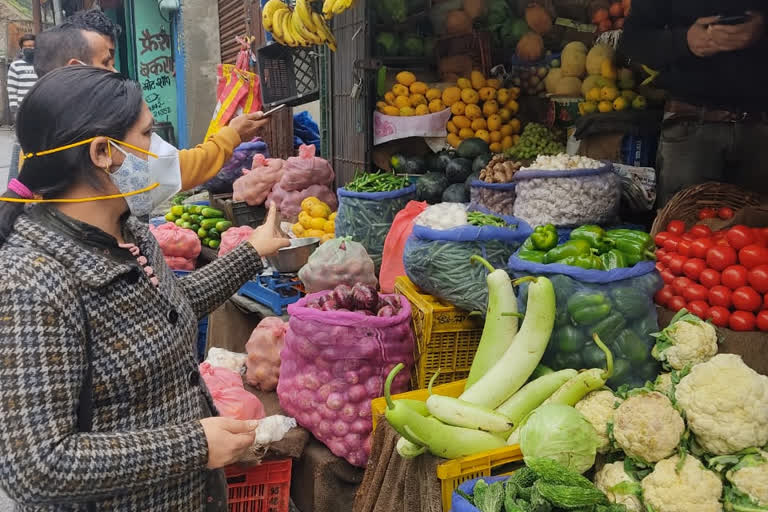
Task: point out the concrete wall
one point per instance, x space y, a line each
198 41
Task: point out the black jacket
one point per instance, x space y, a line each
655 34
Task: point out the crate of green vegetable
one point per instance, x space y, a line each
206 222
617 303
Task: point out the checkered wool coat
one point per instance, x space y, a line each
147 451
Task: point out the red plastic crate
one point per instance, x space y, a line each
262 488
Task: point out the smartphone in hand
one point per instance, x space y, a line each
732 20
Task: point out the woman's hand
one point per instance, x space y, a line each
268 238
249 125
228 440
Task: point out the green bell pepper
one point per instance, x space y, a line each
588 308
622 370
631 302
544 238
565 360
585 261
531 255
593 234
569 248
610 327
637 246
570 339
613 259
528 245
631 347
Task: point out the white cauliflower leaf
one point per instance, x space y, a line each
688 340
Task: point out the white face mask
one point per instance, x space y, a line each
135 173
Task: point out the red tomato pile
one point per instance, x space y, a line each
721 276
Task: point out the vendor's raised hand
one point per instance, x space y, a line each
249 125
699 38
228 440
267 239
729 38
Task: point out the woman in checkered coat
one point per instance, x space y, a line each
101 403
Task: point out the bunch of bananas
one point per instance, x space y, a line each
334 7
296 27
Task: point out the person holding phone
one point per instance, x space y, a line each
711 57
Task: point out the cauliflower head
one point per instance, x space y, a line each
610 476
750 477
726 404
598 407
687 341
693 488
647 427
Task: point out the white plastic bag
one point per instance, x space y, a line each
222 358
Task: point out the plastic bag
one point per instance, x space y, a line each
498 198
367 217
222 358
233 169
334 363
306 131
460 504
233 237
392 257
178 263
263 348
217 377
254 185
337 261
567 198
176 241
625 323
237 403
305 170
289 203
273 429
438 261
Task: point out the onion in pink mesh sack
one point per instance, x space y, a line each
263 349
176 241
338 261
178 263
233 237
305 170
334 363
254 185
289 203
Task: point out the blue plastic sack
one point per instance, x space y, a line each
306 131
366 217
460 504
242 158
438 261
567 198
628 291
498 198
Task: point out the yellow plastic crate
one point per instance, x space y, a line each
446 337
453 473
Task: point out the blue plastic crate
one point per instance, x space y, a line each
202 326
157 221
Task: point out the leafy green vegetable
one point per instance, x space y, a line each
570 497
553 472
484 219
492 497
379 181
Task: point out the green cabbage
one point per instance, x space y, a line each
560 433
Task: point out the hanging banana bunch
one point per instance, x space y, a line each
333 7
300 26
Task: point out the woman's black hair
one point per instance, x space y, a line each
66 106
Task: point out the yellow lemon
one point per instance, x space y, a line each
314 233
494 122
477 79
487 93
589 107
436 106
317 223
400 90
407 112
512 106
418 99
473 112
434 94
390 111
297 229
419 88
605 106
608 70
505 115
479 124
620 104
496 147
332 217
451 95
453 139
402 101
451 127
470 96
308 203
320 210
502 96
326 237
483 135
514 92
329 226
516 126
462 122
458 108
609 93
466 133
593 94
515 140
496 136
464 83
507 142
507 130
381 105
493 83
422 110
389 97
405 78
305 220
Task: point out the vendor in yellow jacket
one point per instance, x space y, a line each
88 38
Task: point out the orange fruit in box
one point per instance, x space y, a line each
417 99
466 133
436 106
419 88
451 127
464 83
422 110
458 108
479 124
496 136
512 106
494 122
493 83
407 112
453 139
462 122
400 90
483 135
507 130
496 147
402 102
434 94
381 104
487 93
389 110
389 97
478 80
490 108
507 142
470 97
451 95
473 112
502 96
505 115
405 78
516 126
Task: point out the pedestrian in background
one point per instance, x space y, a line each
21 78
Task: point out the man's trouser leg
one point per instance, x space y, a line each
13 169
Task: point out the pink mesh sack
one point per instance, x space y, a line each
305 170
178 263
254 185
263 348
233 237
333 364
176 241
